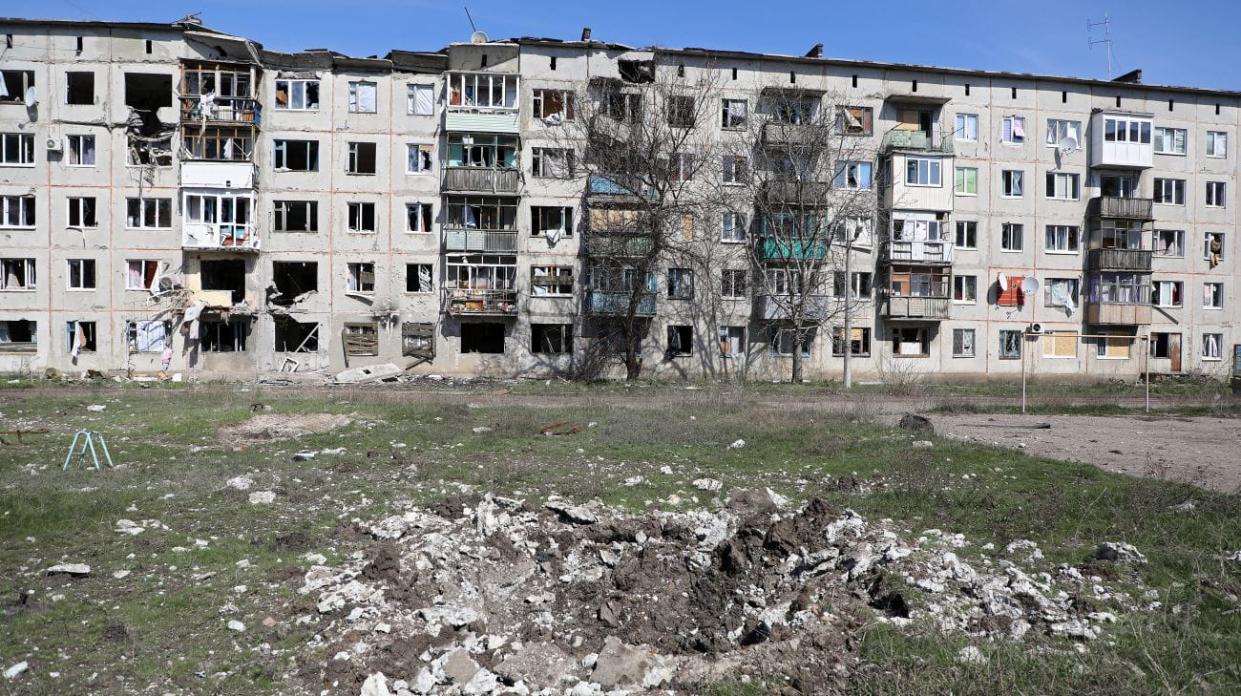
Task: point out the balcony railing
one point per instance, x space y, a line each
480 240
914 307
616 302
771 249
1119 260
797 135
224 237
920 251
804 193
618 246
915 140
1118 313
813 307
481 302
1123 208
481 180
220 109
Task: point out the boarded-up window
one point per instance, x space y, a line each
361 339
1060 344
418 340
1114 347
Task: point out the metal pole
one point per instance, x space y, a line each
1023 372
1147 369
847 339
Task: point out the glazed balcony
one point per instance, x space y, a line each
617 302
456 239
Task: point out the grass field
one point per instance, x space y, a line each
162 628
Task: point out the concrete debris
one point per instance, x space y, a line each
304 456
1119 552
241 483
368 373
235 625
16 670
708 484
480 429
486 595
737 444
970 655
73 569
375 685
262 498
922 444
97 408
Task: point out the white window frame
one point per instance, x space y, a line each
961 181
1212 346
411 98
562 275
355 94
734 221
1064 186
425 161
1162 298
81 264
305 83
959 234
419 205
933 171
1012 183
30 273
1060 128
1175 187
732 118
1213 292
1004 354
359 228
144 204
1176 136
75 148
965 351
1178 246
24 142
861 172
1062 239
736 169
965 127
354 271
1216 149
129 265
1217 194
1206 244
1009 127
1005 235
79 202
967 287
729 284
1075 292
414 268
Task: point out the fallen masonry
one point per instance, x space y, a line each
494 595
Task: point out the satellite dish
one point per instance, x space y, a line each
1029 285
1003 281
478 37
31 98
1067 144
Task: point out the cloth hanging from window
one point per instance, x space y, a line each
1019 127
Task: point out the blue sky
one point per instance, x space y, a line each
1188 43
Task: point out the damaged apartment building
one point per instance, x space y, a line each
177 199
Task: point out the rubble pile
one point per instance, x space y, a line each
492 595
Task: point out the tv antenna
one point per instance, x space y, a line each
1091 42
467 16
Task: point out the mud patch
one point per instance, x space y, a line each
267 427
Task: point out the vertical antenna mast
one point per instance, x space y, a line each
467 16
1106 40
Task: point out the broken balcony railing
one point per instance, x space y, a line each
920 251
916 307
225 237
481 180
215 108
480 301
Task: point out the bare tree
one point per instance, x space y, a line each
644 138
814 198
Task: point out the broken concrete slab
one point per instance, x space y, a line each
72 569
368 373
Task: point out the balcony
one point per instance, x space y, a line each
616 303
618 246
771 249
1117 314
468 121
915 140
795 135
217 109
1121 140
922 252
479 302
217 175
1138 260
805 193
905 307
813 307
200 236
480 240
481 180
1122 208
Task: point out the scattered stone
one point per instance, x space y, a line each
235 625
1119 552
241 483
97 408
480 429
16 670
120 574
737 444
1187 506
375 685
970 655
620 665
262 498
303 456
73 569
922 444
708 484
578 514
458 666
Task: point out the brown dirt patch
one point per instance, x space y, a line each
268 426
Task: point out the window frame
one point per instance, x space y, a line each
30 274
82 266
1161 137
973 343
1160 192
162 205
411 98
960 132
81 211
1216 194
961 181
1179 244
354 275
1012 180
305 83
559 280
1072 186
1006 230
1212 148
1218 342
26 155
1218 296
1061 128
965 292
730 287
412 271
1070 235
425 217
1009 125
355 223
934 171
965 229
78 152
730 120
355 94
1005 350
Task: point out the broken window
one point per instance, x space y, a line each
482 150
362 217
13 85
1213 247
733 282
293 279
680 341
81 274
418 340
682 166
551 339
79 88
418 277
1166 293
361 158
636 71
1212 295
732 341
552 163
420 99
1170 242
81 212
81 150
17 211
361 339
148 213
361 278
418 158
362 97
1212 346
225 274
140 274
297 95
219 143
855 120
141 150
482 337
734 114
19 336
681 111
551 281
497 213
296 155
80 337
17 274
1161 344
736 169
625 107
472 90
219 336
554 219
17 149
554 106
962 343
296 336
148 335
859 341
296 216
418 217
148 91
1010 344
680 283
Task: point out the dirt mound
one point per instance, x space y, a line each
273 426
493 594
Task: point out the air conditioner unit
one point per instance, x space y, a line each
54 142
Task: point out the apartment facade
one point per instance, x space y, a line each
173 197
